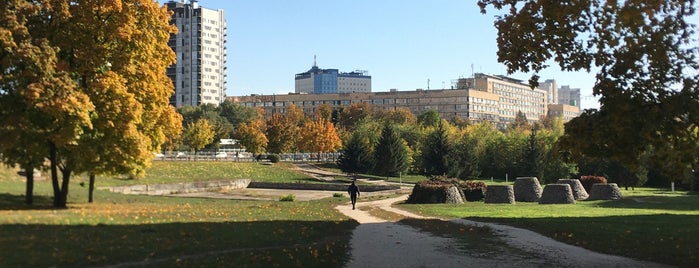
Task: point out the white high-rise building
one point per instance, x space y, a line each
199 76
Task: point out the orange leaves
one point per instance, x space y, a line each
252 136
319 136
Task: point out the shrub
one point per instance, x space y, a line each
435 190
473 190
429 191
338 195
274 158
287 198
588 181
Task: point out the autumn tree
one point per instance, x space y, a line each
319 136
351 116
252 136
646 56
283 130
398 116
324 111
36 104
199 134
97 59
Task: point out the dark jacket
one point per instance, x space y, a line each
353 190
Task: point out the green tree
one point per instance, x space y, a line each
391 149
463 159
429 118
645 53
530 164
356 155
237 114
436 151
520 123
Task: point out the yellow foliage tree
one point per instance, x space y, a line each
102 99
319 136
199 134
252 136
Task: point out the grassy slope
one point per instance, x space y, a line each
172 231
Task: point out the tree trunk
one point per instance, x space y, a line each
54 175
91 188
64 187
29 196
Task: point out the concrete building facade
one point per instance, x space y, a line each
199 75
495 99
551 88
569 96
329 81
567 112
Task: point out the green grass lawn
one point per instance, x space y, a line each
191 171
166 231
648 224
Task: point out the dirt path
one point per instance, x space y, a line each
379 243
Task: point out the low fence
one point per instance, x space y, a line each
238 157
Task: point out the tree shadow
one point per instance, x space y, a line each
205 244
675 203
17 202
661 238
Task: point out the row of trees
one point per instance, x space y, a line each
435 146
292 131
389 143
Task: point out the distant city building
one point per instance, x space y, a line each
199 76
551 89
329 81
569 96
567 112
495 99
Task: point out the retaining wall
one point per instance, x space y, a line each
180 188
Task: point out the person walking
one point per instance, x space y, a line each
353 191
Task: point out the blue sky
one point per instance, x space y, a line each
401 43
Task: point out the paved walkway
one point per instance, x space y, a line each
377 242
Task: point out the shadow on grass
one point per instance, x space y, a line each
206 244
17 202
662 238
677 203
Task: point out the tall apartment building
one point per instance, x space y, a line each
328 81
199 76
551 89
569 96
495 99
